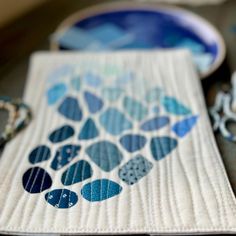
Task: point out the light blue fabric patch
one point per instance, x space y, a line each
112 94
92 79
56 92
154 95
134 108
135 169
76 83
114 121
173 106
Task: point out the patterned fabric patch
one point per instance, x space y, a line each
135 169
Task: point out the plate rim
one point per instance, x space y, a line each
116 7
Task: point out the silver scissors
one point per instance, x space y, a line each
224 111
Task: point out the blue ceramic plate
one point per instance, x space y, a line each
141 26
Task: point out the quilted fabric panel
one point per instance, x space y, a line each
120 143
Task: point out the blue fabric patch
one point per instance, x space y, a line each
64 155
173 106
162 146
39 154
92 79
135 169
114 122
94 103
70 109
89 130
133 143
76 83
100 190
112 94
154 95
61 134
155 123
55 93
36 180
182 127
61 198
105 154
125 78
76 173
135 109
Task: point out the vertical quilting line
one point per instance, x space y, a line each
136 174
171 175
47 189
20 163
176 91
56 172
167 165
159 179
194 145
198 147
197 139
206 118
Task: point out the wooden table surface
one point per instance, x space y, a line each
31 33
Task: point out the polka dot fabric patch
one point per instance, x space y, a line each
117 145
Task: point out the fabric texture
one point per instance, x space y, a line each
120 143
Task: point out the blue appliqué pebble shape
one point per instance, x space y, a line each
134 108
36 180
94 103
155 123
105 154
89 130
100 189
183 127
114 122
125 78
92 79
64 155
135 169
112 93
162 146
61 134
76 83
61 198
39 154
56 92
133 143
76 173
70 109
154 95
173 106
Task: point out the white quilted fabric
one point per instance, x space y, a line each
185 192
